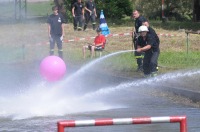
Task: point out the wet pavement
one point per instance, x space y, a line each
28 106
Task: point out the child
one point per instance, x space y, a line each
99 43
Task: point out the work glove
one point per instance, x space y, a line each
61 38
51 39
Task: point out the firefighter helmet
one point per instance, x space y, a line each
143 29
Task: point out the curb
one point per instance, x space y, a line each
192 95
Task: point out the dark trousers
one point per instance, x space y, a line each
138 56
78 20
56 39
89 17
150 62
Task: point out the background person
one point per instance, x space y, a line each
148 44
56 31
78 14
99 44
90 14
138 22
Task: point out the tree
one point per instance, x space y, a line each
65 7
115 9
174 9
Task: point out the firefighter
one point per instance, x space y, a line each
78 15
138 22
90 14
154 34
148 44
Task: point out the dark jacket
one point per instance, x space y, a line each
138 22
154 34
149 40
55 22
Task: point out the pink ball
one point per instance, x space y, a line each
52 68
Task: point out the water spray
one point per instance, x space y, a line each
139 83
94 62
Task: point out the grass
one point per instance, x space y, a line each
179 60
25 42
175 25
33 36
39 8
169 25
33 8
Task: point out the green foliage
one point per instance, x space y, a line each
173 9
175 25
180 10
115 9
67 4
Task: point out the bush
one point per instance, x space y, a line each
115 9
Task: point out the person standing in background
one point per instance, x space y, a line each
56 31
138 22
90 14
78 14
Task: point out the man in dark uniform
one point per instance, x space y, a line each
153 33
138 22
56 31
148 44
90 13
78 14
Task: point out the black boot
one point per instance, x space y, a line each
139 68
94 26
85 26
60 53
51 52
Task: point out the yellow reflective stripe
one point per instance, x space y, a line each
60 50
94 23
52 50
139 57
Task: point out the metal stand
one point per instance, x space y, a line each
187 42
20 9
188 32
